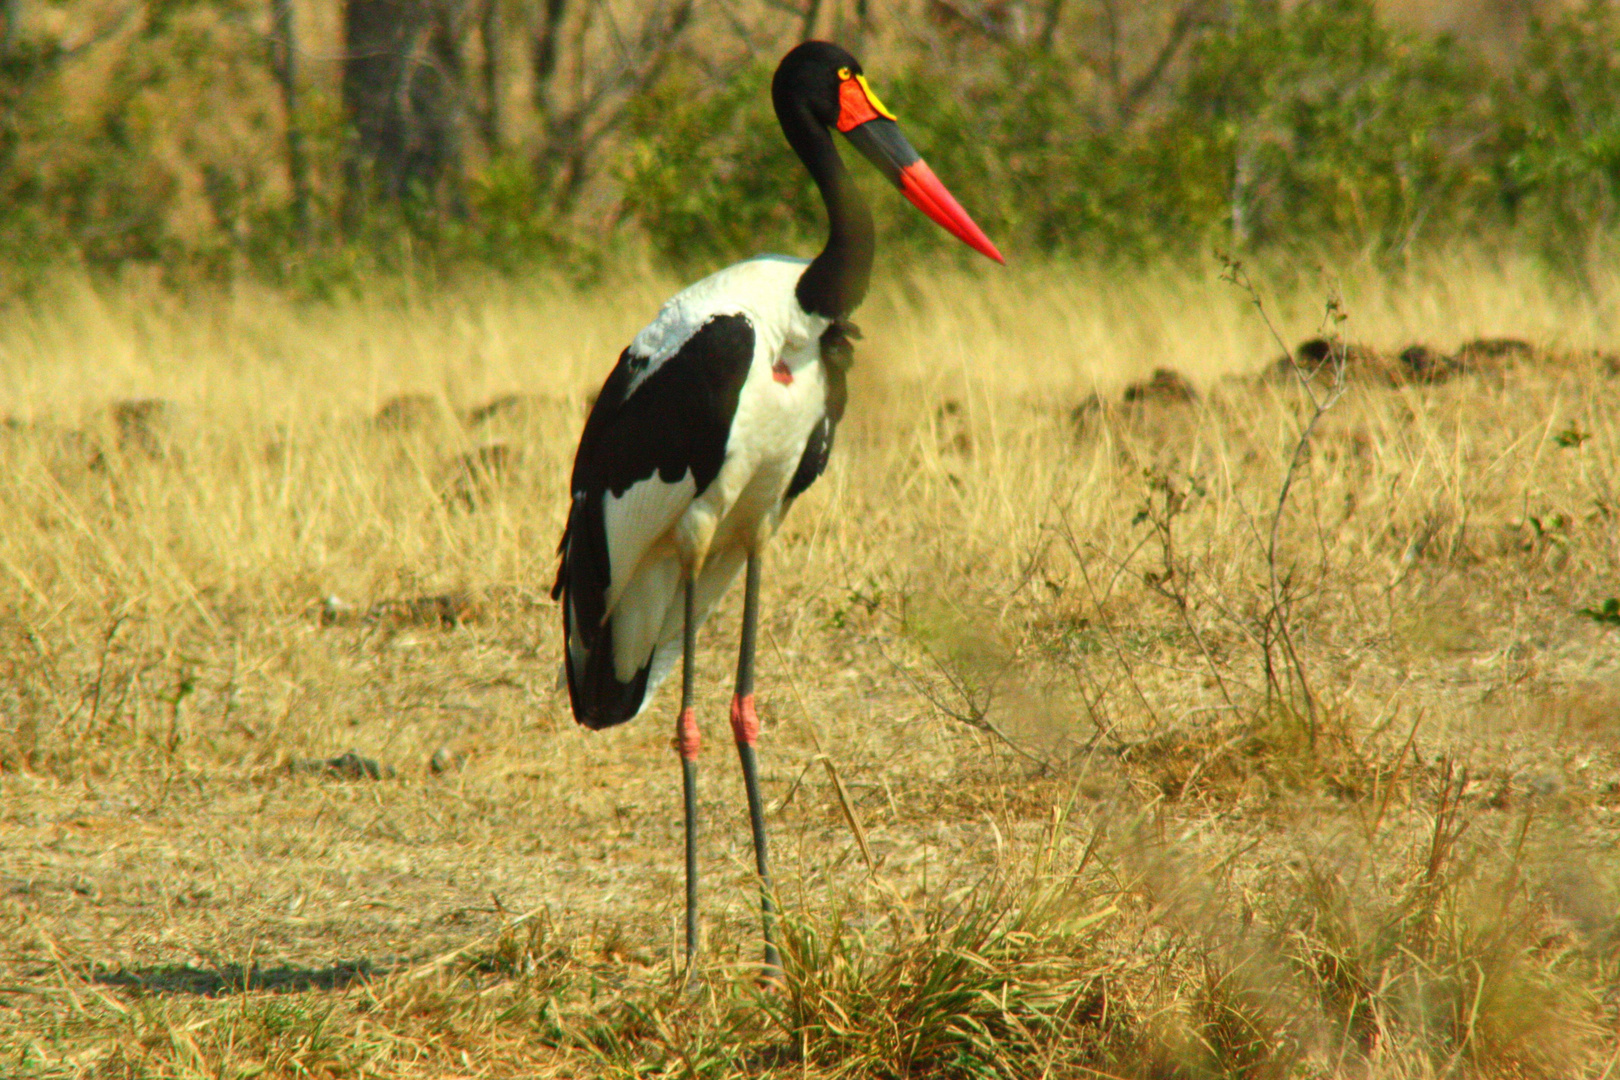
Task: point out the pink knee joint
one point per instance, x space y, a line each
744 724
688 740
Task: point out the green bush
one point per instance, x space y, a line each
1313 127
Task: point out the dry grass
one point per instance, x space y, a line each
1139 798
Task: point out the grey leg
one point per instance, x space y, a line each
745 728
688 741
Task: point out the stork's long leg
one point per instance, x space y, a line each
745 727
688 741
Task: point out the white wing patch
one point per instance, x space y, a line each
642 588
637 520
644 601
653 594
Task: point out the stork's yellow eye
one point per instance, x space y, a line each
843 74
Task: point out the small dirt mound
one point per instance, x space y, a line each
1422 364
1492 355
475 475
517 410
1160 395
1418 364
951 429
145 426
1498 348
1166 386
1086 413
410 413
1315 360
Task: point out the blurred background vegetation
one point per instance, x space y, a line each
314 142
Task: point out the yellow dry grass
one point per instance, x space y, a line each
1029 637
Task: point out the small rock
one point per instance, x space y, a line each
335 612
446 760
348 765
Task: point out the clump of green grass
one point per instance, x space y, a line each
1002 979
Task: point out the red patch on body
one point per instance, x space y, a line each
781 373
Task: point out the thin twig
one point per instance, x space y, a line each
1278 584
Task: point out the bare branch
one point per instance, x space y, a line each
492 36
1280 585
1190 17
808 27
1049 23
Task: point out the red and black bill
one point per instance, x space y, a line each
873 130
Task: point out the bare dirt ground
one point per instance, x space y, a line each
1223 723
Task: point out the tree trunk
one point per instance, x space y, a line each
492 33
10 23
543 57
402 96
284 62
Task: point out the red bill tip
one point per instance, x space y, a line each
919 184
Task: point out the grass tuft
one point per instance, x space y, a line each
1003 977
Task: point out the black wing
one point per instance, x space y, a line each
837 357
677 420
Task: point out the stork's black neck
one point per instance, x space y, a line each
835 282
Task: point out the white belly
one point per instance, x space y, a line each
769 431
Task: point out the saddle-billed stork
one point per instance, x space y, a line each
718 415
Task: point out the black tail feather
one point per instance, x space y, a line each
599 699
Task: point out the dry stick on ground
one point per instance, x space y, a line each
844 801
1278 587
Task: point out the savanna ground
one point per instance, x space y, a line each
1102 738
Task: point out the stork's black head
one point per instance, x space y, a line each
809 77
824 84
